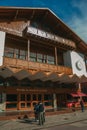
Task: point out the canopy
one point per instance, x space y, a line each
78 94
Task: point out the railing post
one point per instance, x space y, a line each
56 61
28 55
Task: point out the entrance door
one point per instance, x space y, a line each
27 101
24 101
61 99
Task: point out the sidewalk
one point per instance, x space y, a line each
30 124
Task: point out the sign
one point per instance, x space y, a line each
41 33
79 65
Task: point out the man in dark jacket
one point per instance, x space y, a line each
36 111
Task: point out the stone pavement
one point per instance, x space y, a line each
30 124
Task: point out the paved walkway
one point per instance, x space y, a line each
30 124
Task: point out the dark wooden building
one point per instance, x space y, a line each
41 59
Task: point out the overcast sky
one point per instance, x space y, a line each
72 12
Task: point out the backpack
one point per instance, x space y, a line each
41 108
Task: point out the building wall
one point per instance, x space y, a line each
78 64
14 27
2 42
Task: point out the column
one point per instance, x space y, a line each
2 46
3 103
28 50
79 87
54 102
56 56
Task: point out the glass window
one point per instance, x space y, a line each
47 97
17 53
22 105
22 54
11 97
22 97
39 97
50 59
34 97
12 105
33 56
9 52
28 97
28 105
39 57
48 103
44 58
34 103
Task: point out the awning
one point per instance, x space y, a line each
81 94
78 94
74 94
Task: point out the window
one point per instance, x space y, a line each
28 97
17 53
34 97
47 97
28 105
44 58
39 57
11 97
13 105
50 59
33 56
39 97
9 52
22 105
48 103
22 97
22 54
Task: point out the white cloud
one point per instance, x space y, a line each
79 22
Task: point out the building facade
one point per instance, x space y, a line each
41 59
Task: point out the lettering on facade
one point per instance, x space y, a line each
41 33
30 90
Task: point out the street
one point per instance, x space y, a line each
82 125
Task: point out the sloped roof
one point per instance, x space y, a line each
49 18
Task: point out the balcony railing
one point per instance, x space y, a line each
48 36
12 62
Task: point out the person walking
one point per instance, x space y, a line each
41 114
82 105
36 111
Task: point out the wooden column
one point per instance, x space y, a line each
28 54
56 61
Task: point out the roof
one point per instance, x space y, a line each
49 18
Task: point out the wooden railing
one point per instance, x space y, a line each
35 65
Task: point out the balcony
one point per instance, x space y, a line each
23 64
45 36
